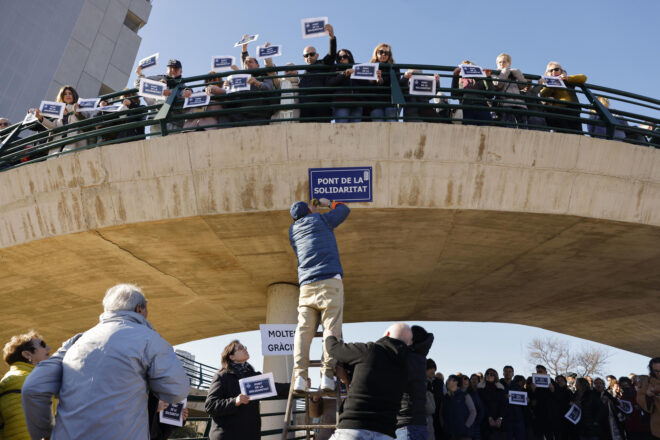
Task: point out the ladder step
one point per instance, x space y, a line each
301 427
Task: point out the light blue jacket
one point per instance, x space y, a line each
313 241
103 378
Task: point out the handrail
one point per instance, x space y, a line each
20 144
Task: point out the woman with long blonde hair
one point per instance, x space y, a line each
383 55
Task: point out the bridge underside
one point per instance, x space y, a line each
208 275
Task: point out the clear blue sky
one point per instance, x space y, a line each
613 42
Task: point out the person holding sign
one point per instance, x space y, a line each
565 101
594 413
470 92
510 81
514 421
69 97
316 78
343 79
383 55
233 414
419 89
252 63
321 289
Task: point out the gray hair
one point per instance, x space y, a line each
123 297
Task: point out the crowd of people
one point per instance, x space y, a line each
502 97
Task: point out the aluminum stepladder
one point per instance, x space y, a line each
308 426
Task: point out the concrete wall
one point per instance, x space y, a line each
466 222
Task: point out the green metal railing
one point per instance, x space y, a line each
631 118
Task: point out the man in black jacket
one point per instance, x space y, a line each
379 378
411 419
317 78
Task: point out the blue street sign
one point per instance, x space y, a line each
350 184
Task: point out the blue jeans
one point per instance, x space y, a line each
412 432
381 114
347 114
358 434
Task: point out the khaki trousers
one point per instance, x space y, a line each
321 301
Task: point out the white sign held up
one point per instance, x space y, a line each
314 27
258 387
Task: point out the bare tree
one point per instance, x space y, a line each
559 358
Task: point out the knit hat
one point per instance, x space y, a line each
299 210
419 334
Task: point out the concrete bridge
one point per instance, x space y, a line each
467 224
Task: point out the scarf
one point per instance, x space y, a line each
242 369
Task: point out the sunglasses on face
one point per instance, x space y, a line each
310 54
42 344
4 124
343 57
555 69
490 374
383 52
239 348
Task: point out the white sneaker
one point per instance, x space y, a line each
300 385
327 384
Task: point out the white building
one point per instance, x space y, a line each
89 44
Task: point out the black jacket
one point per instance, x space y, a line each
315 77
228 420
413 402
379 377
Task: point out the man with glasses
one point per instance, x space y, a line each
316 78
103 376
648 396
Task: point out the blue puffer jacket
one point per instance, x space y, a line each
314 243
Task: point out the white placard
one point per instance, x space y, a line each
554 81
269 51
29 118
239 82
258 387
173 414
88 105
422 85
222 63
574 414
277 339
518 398
625 406
52 109
471 71
110 108
541 380
365 71
246 40
150 88
314 27
198 99
148 62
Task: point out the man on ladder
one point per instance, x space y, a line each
321 288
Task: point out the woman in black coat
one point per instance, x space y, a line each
493 396
233 414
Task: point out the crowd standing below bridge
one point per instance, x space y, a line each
503 97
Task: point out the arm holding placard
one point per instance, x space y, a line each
331 56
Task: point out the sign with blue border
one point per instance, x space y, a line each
269 51
52 109
472 71
554 81
258 387
422 85
198 99
151 89
365 71
349 184
150 61
314 27
222 63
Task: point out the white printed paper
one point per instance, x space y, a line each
238 82
518 398
554 81
472 71
269 51
541 380
150 88
422 85
148 62
574 414
222 63
52 109
258 387
173 414
88 105
110 108
29 118
314 27
277 339
365 71
198 99
246 40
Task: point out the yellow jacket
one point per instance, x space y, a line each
12 421
566 94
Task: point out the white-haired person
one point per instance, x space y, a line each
103 376
22 353
512 82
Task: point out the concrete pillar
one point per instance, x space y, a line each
281 308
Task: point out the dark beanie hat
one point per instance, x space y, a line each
419 334
299 210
